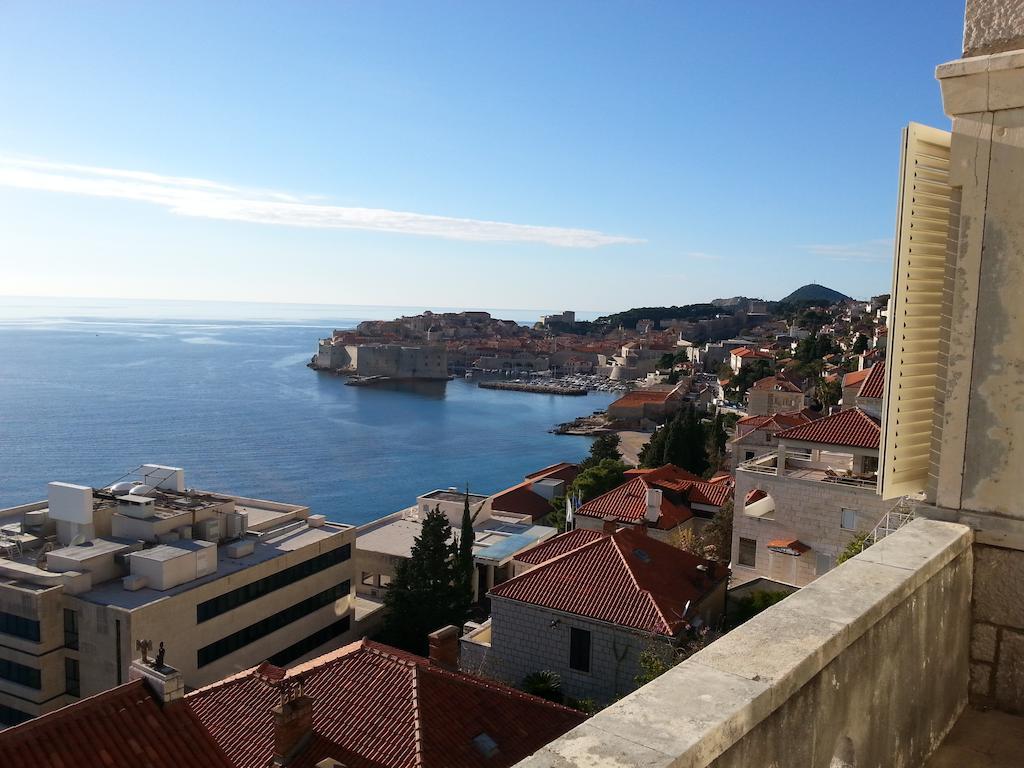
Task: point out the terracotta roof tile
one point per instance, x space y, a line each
376 706
777 383
559 545
853 428
627 579
855 378
874 384
628 504
124 727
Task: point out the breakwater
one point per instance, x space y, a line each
539 388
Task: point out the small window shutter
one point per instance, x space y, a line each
915 310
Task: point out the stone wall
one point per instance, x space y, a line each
991 26
808 510
527 638
997 634
867 666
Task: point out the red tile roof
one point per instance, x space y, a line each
125 727
628 504
777 383
376 706
559 545
855 378
689 486
874 384
853 428
746 352
642 396
774 423
521 499
627 579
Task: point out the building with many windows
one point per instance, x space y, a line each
223 582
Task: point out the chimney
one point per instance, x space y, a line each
653 505
444 647
609 524
293 727
164 681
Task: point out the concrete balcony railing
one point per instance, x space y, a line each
866 666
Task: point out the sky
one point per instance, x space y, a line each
580 155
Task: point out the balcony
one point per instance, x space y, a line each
866 666
817 466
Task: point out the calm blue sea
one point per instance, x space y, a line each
92 389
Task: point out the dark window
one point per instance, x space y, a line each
256 589
19 626
318 638
748 552
10 716
261 629
71 680
20 674
749 456
579 649
70 629
870 463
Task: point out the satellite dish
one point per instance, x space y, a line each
78 541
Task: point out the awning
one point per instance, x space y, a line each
793 547
759 504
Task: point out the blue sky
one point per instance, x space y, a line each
587 155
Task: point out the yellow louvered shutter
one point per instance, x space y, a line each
915 310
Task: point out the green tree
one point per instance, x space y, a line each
427 591
829 393
605 446
546 684
681 441
748 607
853 547
556 517
466 568
860 344
592 482
718 533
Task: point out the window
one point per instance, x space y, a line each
252 633
256 589
367 579
70 629
848 519
823 564
71 679
19 626
315 640
385 580
579 649
20 674
870 463
10 716
748 552
748 455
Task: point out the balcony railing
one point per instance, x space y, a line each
801 467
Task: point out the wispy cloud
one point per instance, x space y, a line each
702 255
867 250
213 200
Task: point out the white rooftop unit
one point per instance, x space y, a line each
548 487
168 565
166 478
70 503
139 507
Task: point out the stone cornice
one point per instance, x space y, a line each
982 83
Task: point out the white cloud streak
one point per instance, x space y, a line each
702 255
212 200
866 251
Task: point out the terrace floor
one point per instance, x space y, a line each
980 739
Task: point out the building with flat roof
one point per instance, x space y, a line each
498 538
223 581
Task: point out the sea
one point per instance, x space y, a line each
90 389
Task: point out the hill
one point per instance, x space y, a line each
814 292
